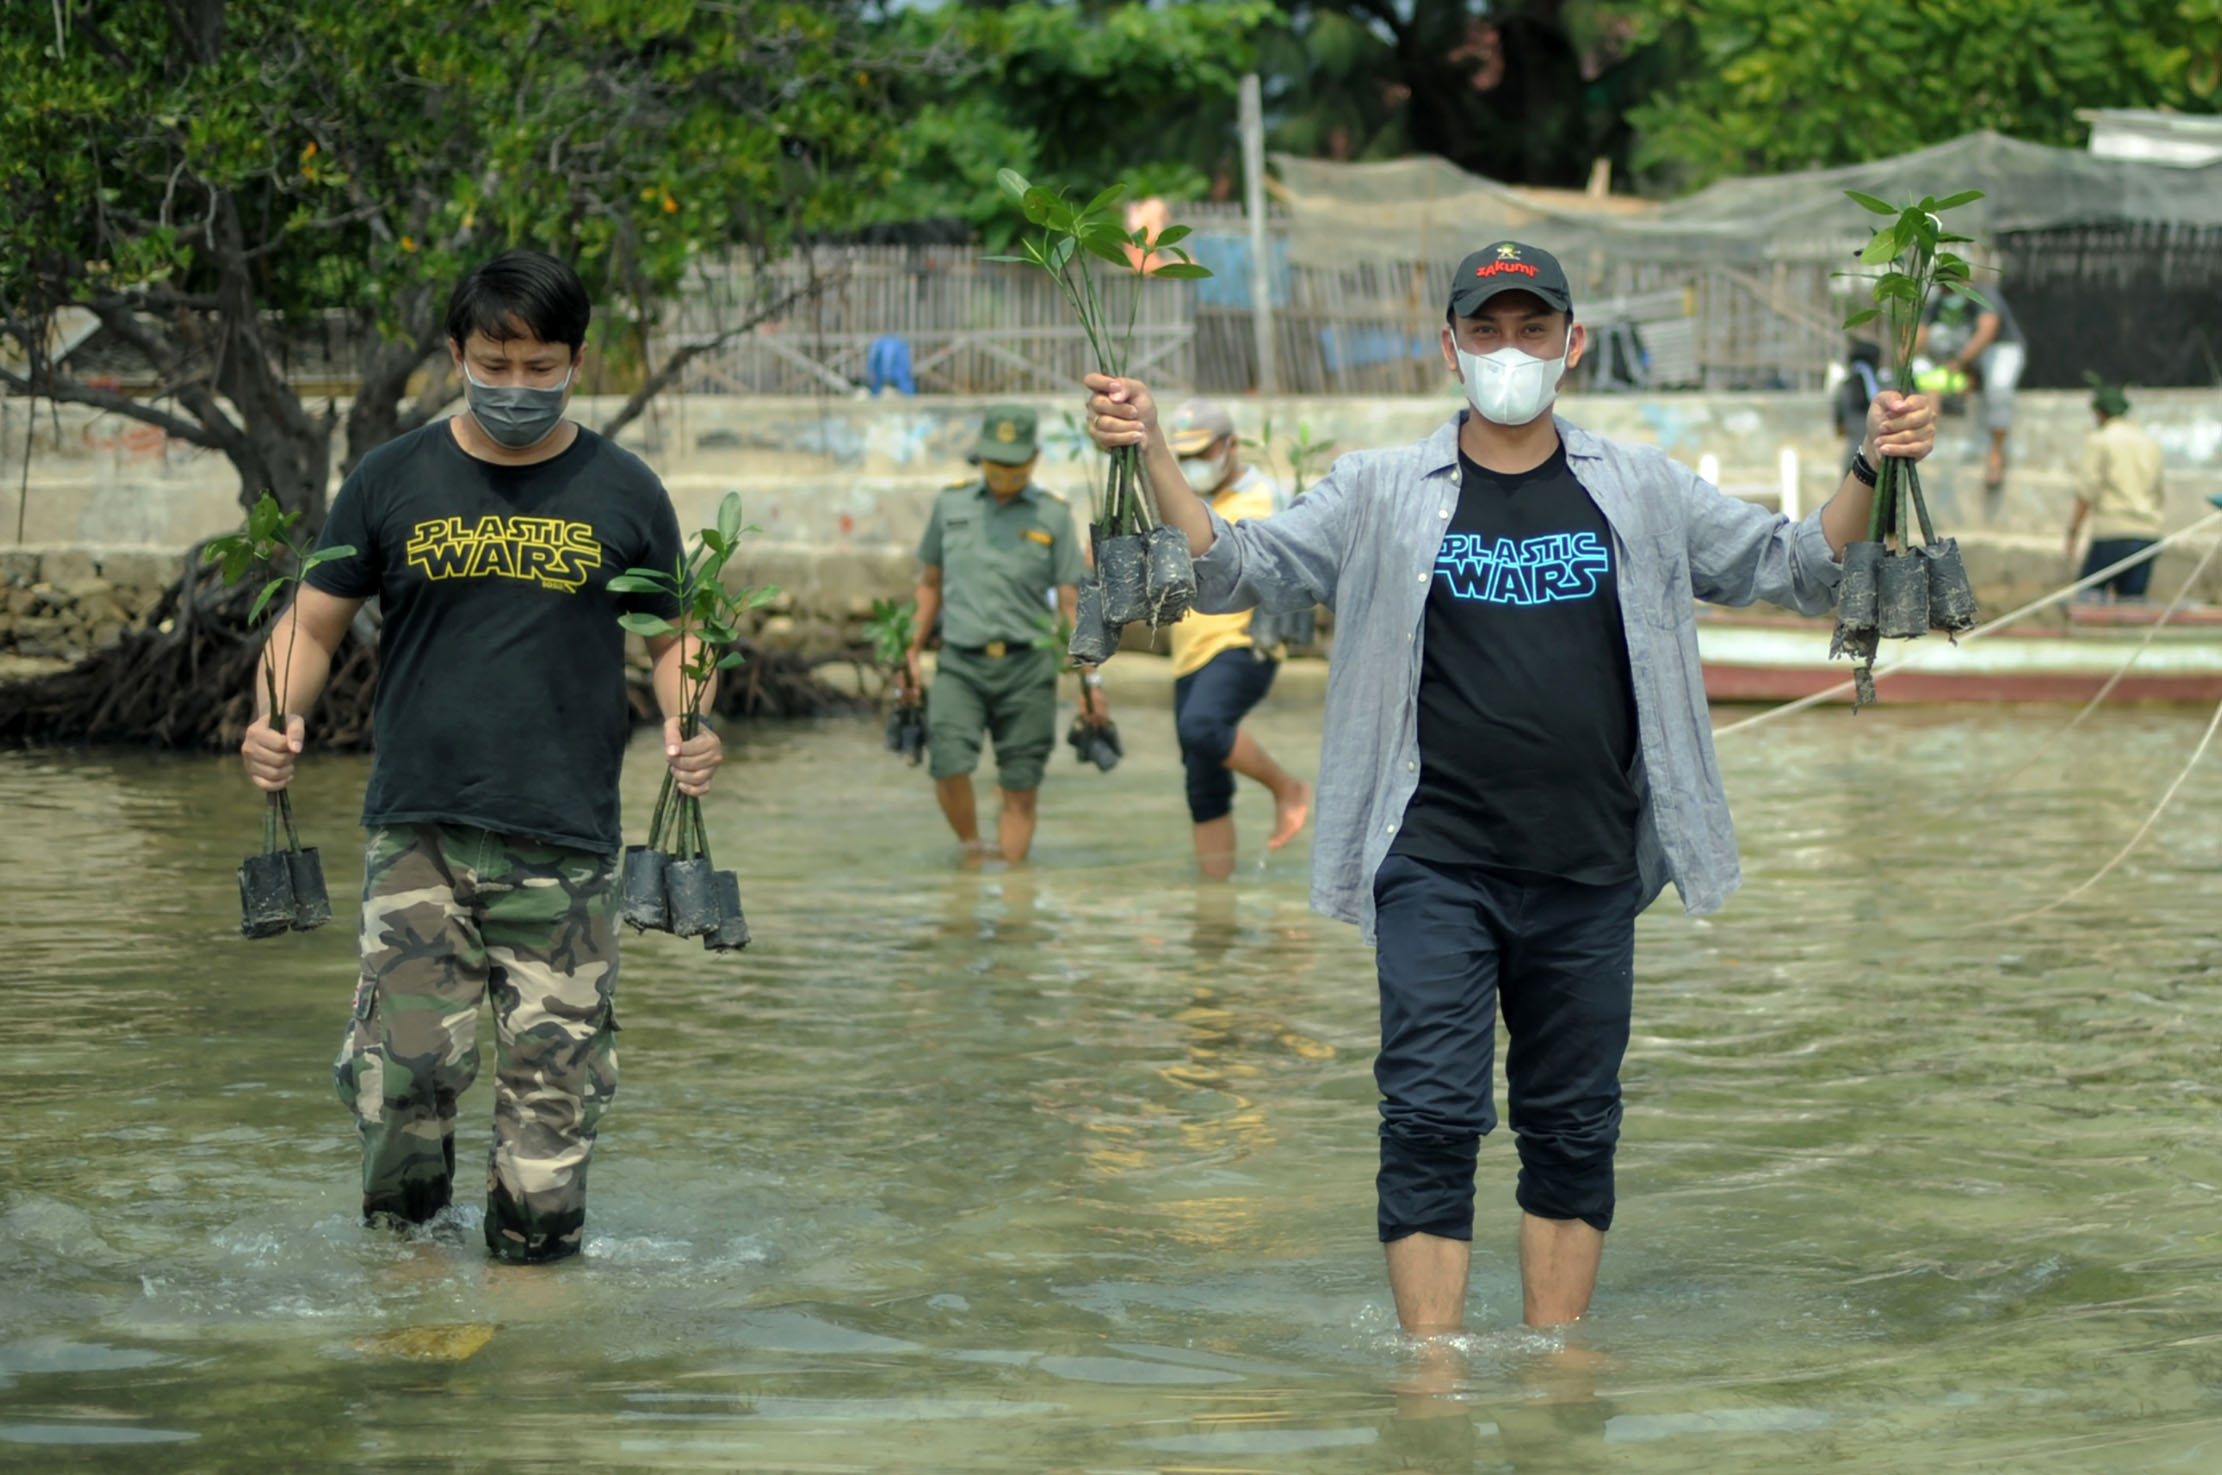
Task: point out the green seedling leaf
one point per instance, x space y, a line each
1103 199
1866 316
639 581
1884 247
1015 260
1954 202
1172 235
1185 271
1061 253
1869 202
729 517
1013 183
1962 289
650 626
731 659
1109 244
326 555
262 600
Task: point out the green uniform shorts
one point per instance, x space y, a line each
1013 700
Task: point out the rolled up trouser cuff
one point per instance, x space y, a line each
1426 1183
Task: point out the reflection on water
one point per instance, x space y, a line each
1070 1167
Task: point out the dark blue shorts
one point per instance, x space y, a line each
1209 703
1459 943
2130 583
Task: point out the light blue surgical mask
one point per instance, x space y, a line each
517 416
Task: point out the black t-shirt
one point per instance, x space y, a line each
501 666
1527 712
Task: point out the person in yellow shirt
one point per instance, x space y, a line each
2121 492
1219 673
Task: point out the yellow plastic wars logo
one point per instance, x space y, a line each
540 550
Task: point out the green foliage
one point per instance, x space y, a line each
1782 84
306 157
890 630
269 543
1052 632
1138 93
1916 265
1304 454
710 616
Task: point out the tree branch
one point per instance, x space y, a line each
71 392
686 353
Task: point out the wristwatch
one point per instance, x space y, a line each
1864 469
1091 678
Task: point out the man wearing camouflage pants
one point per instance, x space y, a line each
490 540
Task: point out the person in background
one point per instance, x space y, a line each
1864 378
2120 491
1985 342
1219 673
995 550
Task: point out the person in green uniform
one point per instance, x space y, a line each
995 547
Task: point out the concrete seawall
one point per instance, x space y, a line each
841 487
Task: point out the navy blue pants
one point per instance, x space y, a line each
2130 583
1458 943
1209 704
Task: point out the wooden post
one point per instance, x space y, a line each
1261 261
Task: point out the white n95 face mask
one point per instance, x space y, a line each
1509 387
1203 473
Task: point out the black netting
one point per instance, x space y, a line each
2134 304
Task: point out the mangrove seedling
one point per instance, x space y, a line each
669 883
282 889
890 630
1892 589
1142 567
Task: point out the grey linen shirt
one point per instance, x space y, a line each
1363 542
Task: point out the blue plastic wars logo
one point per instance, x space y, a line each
1542 570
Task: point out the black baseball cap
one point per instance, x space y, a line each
1508 266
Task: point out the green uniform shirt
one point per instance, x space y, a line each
998 561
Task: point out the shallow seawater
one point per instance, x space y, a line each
1070 1168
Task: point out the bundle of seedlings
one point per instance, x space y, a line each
670 883
1094 737
282 889
890 631
1142 568
1892 588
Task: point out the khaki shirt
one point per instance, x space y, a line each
998 561
2121 480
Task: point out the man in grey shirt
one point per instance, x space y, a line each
1517 755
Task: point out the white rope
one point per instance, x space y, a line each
1920 656
2206 739
2183 597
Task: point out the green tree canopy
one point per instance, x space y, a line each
1071 96
198 172
1783 84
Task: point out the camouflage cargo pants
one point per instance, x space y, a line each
452 915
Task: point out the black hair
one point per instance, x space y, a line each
521 294
1865 351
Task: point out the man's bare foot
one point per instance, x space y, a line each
973 856
1290 810
1994 469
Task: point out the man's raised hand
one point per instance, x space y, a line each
1120 411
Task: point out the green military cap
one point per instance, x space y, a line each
2106 397
1006 436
